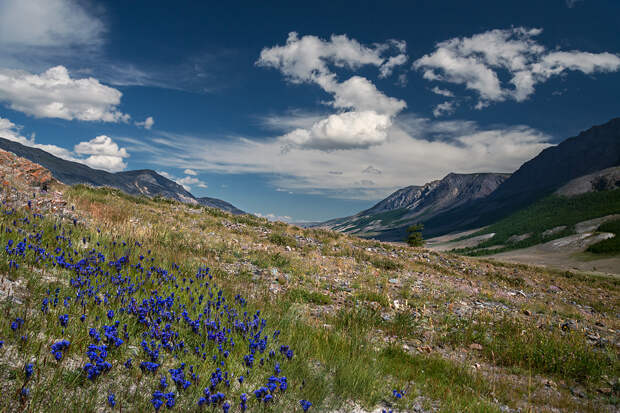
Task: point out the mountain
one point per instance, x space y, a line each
593 150
219 204
139 182
418 203
461 202
604 180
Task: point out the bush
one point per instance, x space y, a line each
414 238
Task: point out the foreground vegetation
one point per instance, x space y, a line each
367 322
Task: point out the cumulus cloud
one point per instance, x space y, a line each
54 94
190 172
365 112
99 153
102 153
342 131
477 61
147 123
417 150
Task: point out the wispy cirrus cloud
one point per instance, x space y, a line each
418 150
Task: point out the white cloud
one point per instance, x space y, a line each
477 61
99 153
366 113
147 123
347 130
190 172
445 108
274 217
54 94
387 68
103 153
417 150
47 23
442 92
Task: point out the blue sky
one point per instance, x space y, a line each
307 112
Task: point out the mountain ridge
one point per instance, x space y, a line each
416 202
592 150
135 182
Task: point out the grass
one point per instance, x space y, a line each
373 297
282 239
339 357
512 343
610 245
299 295
545 214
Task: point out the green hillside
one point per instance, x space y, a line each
548 213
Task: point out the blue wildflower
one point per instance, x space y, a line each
305 405
28 369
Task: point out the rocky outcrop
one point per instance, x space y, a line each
605 180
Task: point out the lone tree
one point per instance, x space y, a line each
414 238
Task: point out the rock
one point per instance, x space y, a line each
550 383
387 317
424 349
605 390
527 312
475 346
393 281
554 289
578 392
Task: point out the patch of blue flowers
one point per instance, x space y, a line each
123 299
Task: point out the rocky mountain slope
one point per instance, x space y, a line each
593 150
418 203
605 180
138 182
488 197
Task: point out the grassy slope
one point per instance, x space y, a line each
341 354
548 213
610 245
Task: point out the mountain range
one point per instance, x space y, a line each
464 201
138 182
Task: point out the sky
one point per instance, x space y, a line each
305 112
